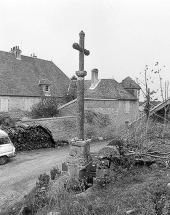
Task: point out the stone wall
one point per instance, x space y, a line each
69 109
62 128
119 111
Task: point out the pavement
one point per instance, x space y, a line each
19 175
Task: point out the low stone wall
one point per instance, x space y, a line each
64 128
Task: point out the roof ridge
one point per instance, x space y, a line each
22 76
28 56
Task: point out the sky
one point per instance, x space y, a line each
123 36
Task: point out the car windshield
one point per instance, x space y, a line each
4 140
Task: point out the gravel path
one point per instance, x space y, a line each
19 175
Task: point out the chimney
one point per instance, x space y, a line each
94 77
17 52
33 55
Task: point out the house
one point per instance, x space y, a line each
119 100
24 80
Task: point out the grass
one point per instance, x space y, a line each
145 190
142 188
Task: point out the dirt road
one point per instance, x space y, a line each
20 174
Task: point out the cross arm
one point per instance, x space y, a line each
79 48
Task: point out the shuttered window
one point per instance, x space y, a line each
127 106
28 104
4 103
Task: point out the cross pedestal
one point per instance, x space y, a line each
79 160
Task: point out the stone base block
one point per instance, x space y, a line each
79 160
85 172
73 171
79 172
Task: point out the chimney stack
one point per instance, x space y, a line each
17 52
33 55
94 77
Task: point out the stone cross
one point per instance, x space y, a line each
80 85
79 161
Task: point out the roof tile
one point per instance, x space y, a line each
129 83
105 89
22 77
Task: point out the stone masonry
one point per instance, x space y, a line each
79 160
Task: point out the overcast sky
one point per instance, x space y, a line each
121 35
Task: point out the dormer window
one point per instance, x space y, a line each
45 85
46 88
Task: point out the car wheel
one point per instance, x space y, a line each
3 160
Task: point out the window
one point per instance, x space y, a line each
127 106
4 140
46 88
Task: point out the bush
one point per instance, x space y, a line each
47 107
89 131
6 120
30 137
97 118
55 172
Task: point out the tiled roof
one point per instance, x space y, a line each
108 89
129 83
72 90
22 77
105 89
44 82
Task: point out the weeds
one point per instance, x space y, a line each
55 172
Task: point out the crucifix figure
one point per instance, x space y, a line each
80 85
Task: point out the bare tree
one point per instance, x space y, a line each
145 81
164 94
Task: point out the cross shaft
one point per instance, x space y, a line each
80 85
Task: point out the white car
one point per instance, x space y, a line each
7 148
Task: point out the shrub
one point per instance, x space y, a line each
90 132
30 137
6 119
97 118
55 172
47 107
39 198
